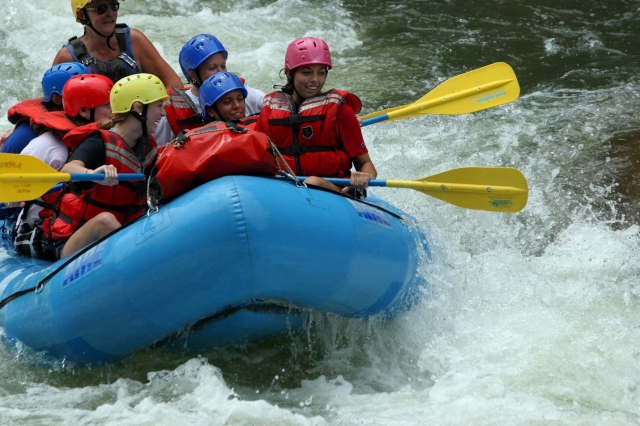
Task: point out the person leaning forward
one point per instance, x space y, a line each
88 212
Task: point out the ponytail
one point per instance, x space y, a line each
108 123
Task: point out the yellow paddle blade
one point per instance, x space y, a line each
476 90
496 189
24 177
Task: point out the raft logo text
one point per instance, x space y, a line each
83 265
370 214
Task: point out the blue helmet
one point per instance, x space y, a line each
55 77
216 87
197 50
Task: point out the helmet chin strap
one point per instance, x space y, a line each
141 146
90 25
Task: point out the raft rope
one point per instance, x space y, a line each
152 201
289 173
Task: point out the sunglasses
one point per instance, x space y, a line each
102 9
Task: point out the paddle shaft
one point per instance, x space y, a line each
63 177
25 177
435 186
495 189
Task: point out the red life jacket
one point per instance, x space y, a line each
126 201
48 203
56 121
26 110
182 113
307 136
209 152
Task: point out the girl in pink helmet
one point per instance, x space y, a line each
317 132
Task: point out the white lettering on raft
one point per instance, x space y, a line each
83 265
371 214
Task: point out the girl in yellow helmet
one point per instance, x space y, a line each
88 212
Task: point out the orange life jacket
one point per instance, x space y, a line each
56 121
26 110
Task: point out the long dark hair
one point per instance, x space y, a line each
288 87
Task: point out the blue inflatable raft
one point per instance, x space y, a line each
236 260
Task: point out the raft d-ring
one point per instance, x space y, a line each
152 206
39 287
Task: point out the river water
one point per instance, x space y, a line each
532 318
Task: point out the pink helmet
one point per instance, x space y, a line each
307 51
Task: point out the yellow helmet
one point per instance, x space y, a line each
143 88
78 4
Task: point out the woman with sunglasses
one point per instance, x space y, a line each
130 53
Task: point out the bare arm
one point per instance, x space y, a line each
151 62
365 171
109 171
4 136
63 55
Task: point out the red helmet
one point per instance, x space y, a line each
307 51
85 90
